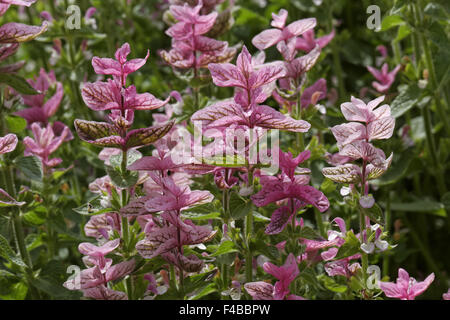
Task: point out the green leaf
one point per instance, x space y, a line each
407 98
56 174
122 180
93 207
239 208
198 281
210 288
19 292
375 213
308 233
332 285
259 217
34 217
15 124
350 247
228 161
424 206
224 248
31 167
17 83
446 200
8 253
391 22
132 157
402 33
55 290
327 186
200 216
398 170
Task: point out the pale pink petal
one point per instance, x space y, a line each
259 290
227 75
8 143
381 129
279 20
267 38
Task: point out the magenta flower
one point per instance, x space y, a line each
252 89
281 32
276 189
167 240
93 281
343 267
314 93
8 143
41 110
173 197
97 254
5 4
102 225
108 95
446 296
285 274
406 287
119 68
7 50
45 142
103 293
384 77
353 140
190 48
308 42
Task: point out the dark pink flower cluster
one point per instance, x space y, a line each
191 49
167 233
100 271
13 33
253 87
291 185
122 101
285 274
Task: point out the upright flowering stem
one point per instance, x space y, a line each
426 114
298 116
430 66
249 232
18 234
387 220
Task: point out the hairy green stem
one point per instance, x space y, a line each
387 220
248 234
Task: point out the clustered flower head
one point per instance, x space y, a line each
166 234
122 101
285 274
253 87
46 141
40 109
191 48
291 184
368 122
289 40
93 281
13 33
406 287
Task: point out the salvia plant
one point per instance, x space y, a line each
287 150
